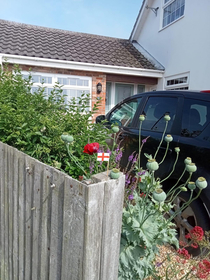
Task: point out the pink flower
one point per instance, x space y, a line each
91 148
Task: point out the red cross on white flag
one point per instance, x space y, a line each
103 157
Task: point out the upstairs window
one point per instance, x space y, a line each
172 10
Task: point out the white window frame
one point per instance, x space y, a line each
167 3
177 86
55 80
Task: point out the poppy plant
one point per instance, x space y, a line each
91 148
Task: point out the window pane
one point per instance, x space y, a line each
125 113
155 110
73 82
79 82
122 91
141 88
196 115
108 97
86 83
36 79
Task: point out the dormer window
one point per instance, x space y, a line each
172 10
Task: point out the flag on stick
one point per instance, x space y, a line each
103 157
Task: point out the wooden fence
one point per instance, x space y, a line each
54 227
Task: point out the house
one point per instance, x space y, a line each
105 67
177 34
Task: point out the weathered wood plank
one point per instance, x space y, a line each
45 222
16 218
2 207
93 231
73 229
6 220
29 178
10 208
21 207
112 222
36 234
56 225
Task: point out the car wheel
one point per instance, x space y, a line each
194 215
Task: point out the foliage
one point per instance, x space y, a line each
140 238
146 207
34 122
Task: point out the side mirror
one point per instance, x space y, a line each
100 118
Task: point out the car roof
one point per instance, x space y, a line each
203 95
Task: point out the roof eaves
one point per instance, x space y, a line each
148 56
137 19
23 60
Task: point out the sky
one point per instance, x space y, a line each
113 18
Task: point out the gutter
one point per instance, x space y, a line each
53 63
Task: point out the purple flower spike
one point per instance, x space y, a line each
130 197
130 158
141 173
144 140
135 159
108 151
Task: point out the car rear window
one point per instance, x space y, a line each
195 118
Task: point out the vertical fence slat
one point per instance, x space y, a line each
45 223
21 228
16 219
6 221
10 187
29 176
93 231
112 220
73 229
56 225
2 249
36 241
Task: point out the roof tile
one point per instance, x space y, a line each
36 41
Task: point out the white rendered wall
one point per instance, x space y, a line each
181 47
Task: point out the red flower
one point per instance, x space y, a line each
91 148
195 234
183 252
204 269
194 245
142 194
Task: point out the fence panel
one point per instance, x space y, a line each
53 227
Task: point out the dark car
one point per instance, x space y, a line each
190 128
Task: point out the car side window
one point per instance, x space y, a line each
125 113
196 116
155 110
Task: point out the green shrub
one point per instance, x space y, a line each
33 122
